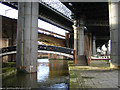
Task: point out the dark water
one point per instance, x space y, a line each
51 74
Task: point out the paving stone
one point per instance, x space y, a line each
96 78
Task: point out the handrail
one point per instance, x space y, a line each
42 47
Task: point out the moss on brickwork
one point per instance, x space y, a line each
72 75
8 69
8 72
8 64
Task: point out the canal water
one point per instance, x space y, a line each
50 74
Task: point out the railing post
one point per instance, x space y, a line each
74 57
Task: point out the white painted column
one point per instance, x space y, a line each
94 46
114 21
27 36
75 28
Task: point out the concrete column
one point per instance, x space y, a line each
90 44
82 60
114 21
94 46
75 28
109 47
27 36
79 42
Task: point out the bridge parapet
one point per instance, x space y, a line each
56 49
8 49
43 48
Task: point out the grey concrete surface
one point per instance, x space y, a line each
94 78
27 36
114 21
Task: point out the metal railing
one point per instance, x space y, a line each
8 49
42 47
56 49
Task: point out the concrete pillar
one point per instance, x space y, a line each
114 21
79 42
90 44
75 28
27 36
82 60
109 47
94 46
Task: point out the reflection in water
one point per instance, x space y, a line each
42 70
50 74
58 68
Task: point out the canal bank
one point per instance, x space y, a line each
97 76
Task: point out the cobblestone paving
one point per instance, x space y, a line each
80 78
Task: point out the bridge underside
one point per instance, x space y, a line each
96 18
50 15
102 20
91 27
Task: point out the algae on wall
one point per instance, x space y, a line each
8 69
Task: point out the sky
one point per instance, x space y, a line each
13 13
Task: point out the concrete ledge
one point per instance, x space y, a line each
74 79
77 67
88 68
114 67
91 77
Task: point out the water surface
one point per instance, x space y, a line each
50 74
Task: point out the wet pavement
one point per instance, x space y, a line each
98 75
